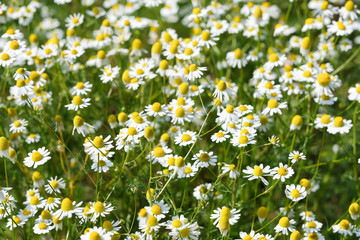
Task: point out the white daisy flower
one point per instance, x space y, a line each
285 225
37 157
295 193
185 138
220 136
18 126
68 208
204 159
78 103
282 172
339 125
257 172
296 155
231 169
81 88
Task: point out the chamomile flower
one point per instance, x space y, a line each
354 93
223 91
98 209
340 28
32 138
55 185
81 88
195 72
109 74
68 208
185 138
251 235
344 227
295 193
81 126
285 225
274 107
220 136
323 121
18 126
74 20
37 157
204 159
257 172
282 172
51 203
156 110
6 58
274 61
349 11
339 125
312 226
354 210
158 210
296 156
236 59
274 140
231 169
97 233
231 214
43 227
242 140
78 103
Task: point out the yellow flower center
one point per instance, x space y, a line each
219 134
5 56
66 205
14 45
78 121
295 193
186 137
338 122
297 120
188 170
273 103
156 107
238 53
262 212
350 6
180 112
184 232
54 184
36 156
344 224
176 223
34 200
324 79
188 51
284 222
273 57
224 223
193 68
325 119
243 140
257 171
269 85
221 85
4 144
282 171
77 100
341 25
179 162
99 207
354 209
306 43
95 236
152 221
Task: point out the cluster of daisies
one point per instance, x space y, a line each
207 110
